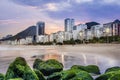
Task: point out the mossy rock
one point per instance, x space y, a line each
116 68
113 75
48 67
2 76
36 63
90 68
71 74
16 79
39 74
20 69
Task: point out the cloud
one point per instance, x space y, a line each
18 17
111 1
8 22
107 2
83 1
57 6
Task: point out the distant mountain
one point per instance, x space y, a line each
31 31
117 21
90 24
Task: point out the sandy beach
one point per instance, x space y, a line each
103 55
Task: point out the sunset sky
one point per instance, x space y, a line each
17 15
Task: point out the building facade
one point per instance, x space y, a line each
97 31
112 28
40 28
77 29
69 23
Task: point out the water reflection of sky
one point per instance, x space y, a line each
7 55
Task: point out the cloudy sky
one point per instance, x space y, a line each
17 15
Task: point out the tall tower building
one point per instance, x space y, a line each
40 28
69 24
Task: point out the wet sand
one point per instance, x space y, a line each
103 55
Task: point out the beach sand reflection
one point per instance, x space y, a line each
82 59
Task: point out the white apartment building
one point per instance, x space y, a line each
88 34
77 29
60 36
68 36
97 31
46 38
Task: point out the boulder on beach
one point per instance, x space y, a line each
71 74
39 74
20 69
2 76
48 67
113 75
36 63
116 68
90 68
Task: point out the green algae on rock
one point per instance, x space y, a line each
20 69
39 74
48 67
116 68
113 75
2 76
16 79
71 74
90 68
36 63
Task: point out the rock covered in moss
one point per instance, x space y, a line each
72 74
16 79
113 75
39 74
116 68
90 68
2 76
36 63
48 67
20 69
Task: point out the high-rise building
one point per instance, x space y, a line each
40 28
114 28
69 24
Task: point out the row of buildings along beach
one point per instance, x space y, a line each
71 31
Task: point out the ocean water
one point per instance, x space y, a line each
30 53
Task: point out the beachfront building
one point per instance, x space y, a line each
60 36
97 31
40 39
116 28
108 29
40 30
81 35
52 37
68 36
112 28
77 29
88 34
46 38
29 40
22 41
69 23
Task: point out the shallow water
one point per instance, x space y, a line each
9 53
